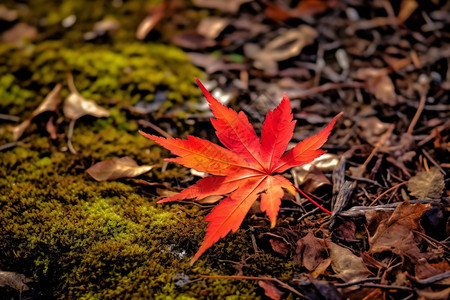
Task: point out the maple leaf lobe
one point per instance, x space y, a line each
243 170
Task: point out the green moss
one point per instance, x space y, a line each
82 239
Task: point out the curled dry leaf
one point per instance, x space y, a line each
76 106
311 174
270 290
427 185
211 27
312 253
395 233
286 45
347 265
14 280
117 168
50 103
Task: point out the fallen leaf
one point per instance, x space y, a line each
8 15
151 20
14 280
76 106
287 44
193 41
229 6
346 265
427 185
50 103
245 168
270 290
326 290
311 175
116 168
280 247
312 253
211 27
379 84
434 295
19 32
407 7
395 233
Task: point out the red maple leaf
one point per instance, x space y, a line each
244 169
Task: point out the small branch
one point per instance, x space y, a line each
357 282
69 137
155 128
387 191
416 117
431 279
9 118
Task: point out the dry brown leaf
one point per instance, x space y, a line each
395 233
14 280
50 103
76 106
19 32
311 174
407 7
270 290
211 27
151 20
117 168
427 185
379 84
312 253
229 6
346 265
434 295
280 247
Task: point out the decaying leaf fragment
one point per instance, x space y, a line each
117 168
312 253
15 280
395 233
347 265
50 103
427 185
270 290
76 106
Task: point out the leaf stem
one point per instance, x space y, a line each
315 203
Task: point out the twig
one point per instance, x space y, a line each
10 145
386 287
357 282
69 136
433 161
431 279
281 283
387 191
359 211
416 117
9 118
146 123
431 239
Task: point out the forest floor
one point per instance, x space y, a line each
79 186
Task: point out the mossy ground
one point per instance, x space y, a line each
81 239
